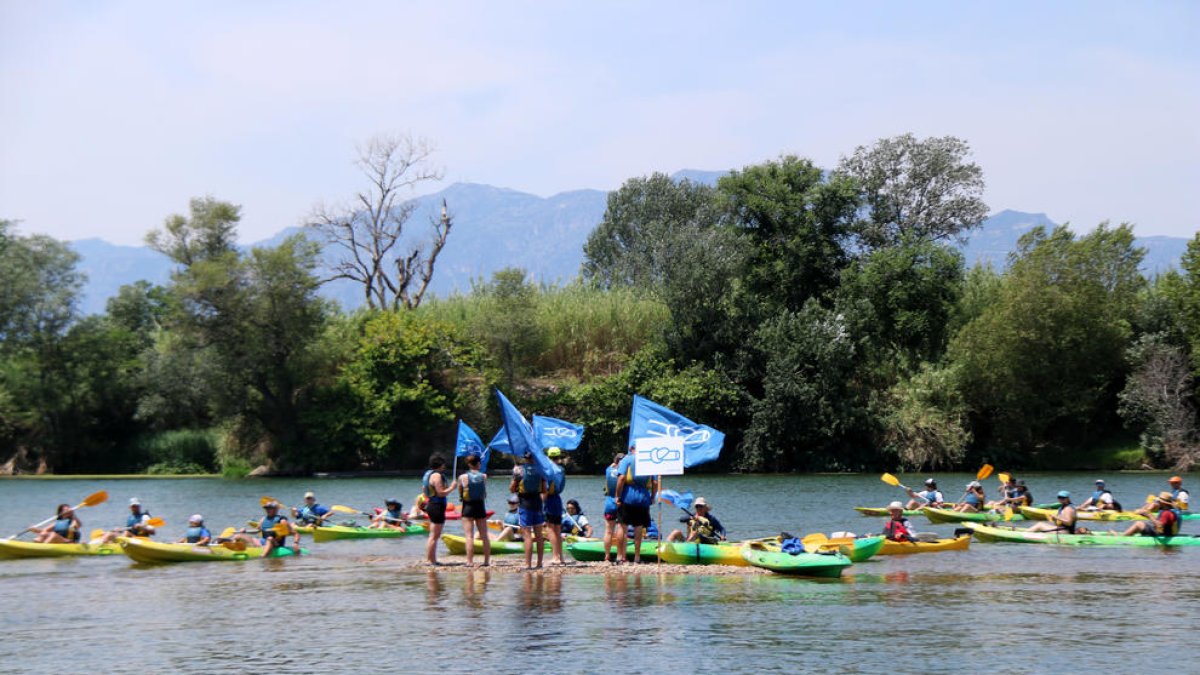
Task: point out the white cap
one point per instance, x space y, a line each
974 483
895 506
135 502
309 495
196 519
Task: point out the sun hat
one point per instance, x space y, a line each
1099 482
134 501
895 506
309 495
196 519
701 501
974 483
1064 494
1166 498
392 500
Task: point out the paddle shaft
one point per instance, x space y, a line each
53 518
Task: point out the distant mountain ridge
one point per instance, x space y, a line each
496 228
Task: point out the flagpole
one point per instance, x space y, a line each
658 551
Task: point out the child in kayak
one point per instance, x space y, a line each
899 528
512 522
197 533
65 529
1165 525
472 489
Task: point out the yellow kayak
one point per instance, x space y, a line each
457 545
904 547
146 551
12 548
1044 514
694 553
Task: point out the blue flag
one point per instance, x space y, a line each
683 501
700 443
552 433
500 444
520 436
469 442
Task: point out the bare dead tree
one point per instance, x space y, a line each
370 231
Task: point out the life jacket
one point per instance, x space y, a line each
1069 528
428 490
397 515
637 489
266 527
476 488
195 534
308 514
1183 503
512 518
898 530
557 482
932 496
611 475
531 482
63 528
1012 493
134 523
1100 493
974 499
704 529
1168 522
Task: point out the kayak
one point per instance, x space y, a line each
694 553
823 565
450 515
336 532
905 547
1003 534
593 551
1033 513
146 551
857 550
881 511
13 548
457 545
949 516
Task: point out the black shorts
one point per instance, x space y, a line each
474 509
436 512
554 518
637 516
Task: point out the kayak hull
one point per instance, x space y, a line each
692 553
12 548
857 550
338 532
819 565
909 547
457 545
1000 534
150 552
950 516
593 551
1033 513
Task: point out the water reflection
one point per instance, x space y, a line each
435 591
474 588
541 593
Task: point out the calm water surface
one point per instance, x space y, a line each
353 607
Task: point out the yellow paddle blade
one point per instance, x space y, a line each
234 545
266 500
96 534
253 523
814 539
95 498
1004 478
984 471
281 529
227 533
1150 498
1008 513
156 522
890 479
344 509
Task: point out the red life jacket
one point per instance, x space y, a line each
1168 523
897 530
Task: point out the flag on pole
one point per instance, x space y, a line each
499 443
520 436
683 501
469 442
552 433
701 443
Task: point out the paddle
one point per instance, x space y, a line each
812 543
984 472
90 500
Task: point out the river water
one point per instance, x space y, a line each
359 606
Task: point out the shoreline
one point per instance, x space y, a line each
499 472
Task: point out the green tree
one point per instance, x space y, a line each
916 189
924 420
507 325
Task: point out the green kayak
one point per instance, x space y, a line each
949 516
336 532
457 545
989 533
694 553
593 551
824 565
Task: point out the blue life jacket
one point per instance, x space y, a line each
476 489
1069 528
933 496
430 492
974 499
512 518
531 480
310 514
266 527
397 515
557 482
62 527
195 534
1175 495
134 523
637 489
611 475
1098 494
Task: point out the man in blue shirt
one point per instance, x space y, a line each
311 513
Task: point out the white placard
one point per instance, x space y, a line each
658 456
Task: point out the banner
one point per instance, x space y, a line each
520 436
700 443
469 442
552 433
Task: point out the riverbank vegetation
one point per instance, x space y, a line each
823 319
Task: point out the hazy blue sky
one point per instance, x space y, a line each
115 113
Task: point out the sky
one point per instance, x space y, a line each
115 114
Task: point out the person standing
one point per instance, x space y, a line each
553 504
472 489
635 494
434 487
613 531
529 485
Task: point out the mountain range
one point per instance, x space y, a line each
496 228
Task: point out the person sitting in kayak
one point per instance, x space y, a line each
472 489
1064 520
529 485
612 530
930 496
702 527
635 494
65 529
435 485
1182 498
975 500
512 522
1010 496
392 517
1101 500
311 513
552 505
574 522
1025 494
1165 525
273 531
898 528
196 533
137 524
